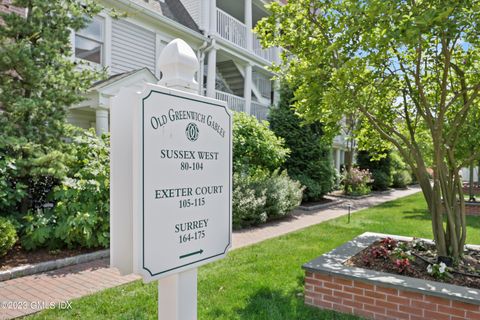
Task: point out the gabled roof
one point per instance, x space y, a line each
172 9
123 78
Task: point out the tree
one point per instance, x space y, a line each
38 82
410 68
310 156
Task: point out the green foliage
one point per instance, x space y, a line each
79 214
255 146
401 179
38 82
357 182
310 159
282 194
263 196
380 167
8 236
400 174
39 230
410 68
83 197
248 202
260 192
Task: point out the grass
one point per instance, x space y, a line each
263 281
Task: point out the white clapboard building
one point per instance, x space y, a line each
233 65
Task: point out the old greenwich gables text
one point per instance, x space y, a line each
174 115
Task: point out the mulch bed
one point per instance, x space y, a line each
389 256
19 257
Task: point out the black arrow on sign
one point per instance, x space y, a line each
191 254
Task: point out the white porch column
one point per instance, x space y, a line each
248 23
276 92
101 121
337 159
211 72
213 16
247 88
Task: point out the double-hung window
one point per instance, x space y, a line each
89 42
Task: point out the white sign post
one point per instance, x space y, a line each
180 215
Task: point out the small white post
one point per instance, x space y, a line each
177 294
101 121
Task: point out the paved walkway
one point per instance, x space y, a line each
30 294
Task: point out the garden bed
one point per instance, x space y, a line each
415 259
18 257
335 281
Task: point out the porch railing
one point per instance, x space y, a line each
234 102
235 31
267 54
259 110
263 83
231 29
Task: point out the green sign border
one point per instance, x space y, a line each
143 182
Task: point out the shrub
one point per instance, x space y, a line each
282 194
401 174
356 182
263 196
39 230
401 179
255 146
310 159
381 180
79 211
248 202
8 236
83 198
381 169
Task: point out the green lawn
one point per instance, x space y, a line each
263 281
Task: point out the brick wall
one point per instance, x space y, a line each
377 302
6 7
472 209
466 190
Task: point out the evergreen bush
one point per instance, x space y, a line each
78 214
379 167
310 160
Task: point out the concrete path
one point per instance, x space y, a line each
22 296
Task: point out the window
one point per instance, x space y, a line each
89 41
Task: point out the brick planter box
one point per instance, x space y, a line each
476 190
472 208
329 284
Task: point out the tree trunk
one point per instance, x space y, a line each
444 200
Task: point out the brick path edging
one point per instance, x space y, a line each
377 295
30 269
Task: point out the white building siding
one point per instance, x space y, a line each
133 47
193 8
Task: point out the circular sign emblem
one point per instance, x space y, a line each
192 131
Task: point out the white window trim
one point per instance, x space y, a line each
106 45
